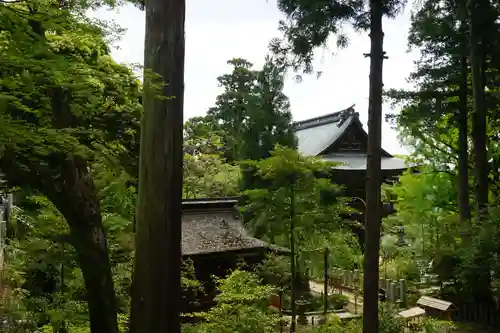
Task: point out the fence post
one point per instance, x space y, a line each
402 292
325 291
392 292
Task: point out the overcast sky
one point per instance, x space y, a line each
218 30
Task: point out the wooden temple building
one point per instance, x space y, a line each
214 238
340 137
216 241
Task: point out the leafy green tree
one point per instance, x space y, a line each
426 206
442 80
202 136
64 101
480 19
208 176
310 25
317 207
252 114
43 266
206 173
43 269
445 116
242 305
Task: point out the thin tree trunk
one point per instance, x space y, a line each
463 147
156 289
479 136
373 173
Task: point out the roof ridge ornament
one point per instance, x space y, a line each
346 114
324 119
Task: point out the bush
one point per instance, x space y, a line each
242 306
337 301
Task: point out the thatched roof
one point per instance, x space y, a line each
213 226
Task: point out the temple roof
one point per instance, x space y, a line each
213 226
317 134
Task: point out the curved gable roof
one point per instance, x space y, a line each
315 135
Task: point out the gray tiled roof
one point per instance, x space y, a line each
352 161
316 134
212 225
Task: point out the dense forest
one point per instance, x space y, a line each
98 162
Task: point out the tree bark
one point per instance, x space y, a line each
78 202
156 289
76 198
373 173
479 126
463 146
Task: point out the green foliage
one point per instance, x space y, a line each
48 285
431 325
208 176
317 221
252 115
66 106
426 207
242 306
389 321
337 301
206 173
275 270
309 26
72 63
43 265
334 325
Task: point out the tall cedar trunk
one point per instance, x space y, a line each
463 147
156 290
479 136
78 202
373 173
76 198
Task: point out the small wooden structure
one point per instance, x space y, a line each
214 237
437 308
216 241
413 315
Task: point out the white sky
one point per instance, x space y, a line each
219 30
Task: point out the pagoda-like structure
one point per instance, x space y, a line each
340 137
